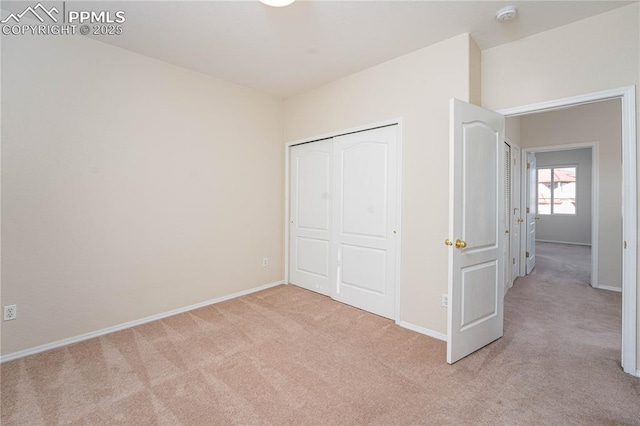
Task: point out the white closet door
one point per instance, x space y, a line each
310 227
364 217
506 238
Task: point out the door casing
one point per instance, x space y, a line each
627 95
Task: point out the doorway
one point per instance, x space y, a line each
563 197
626 98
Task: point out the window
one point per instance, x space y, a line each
557 190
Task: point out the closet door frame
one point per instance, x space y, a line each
287 181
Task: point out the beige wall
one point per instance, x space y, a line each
599 122
587 56
475 73
594 54
130 188
512 130
416 87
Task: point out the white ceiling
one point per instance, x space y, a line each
284 51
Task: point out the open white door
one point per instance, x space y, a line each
476 228
532 211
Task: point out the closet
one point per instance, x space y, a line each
344 224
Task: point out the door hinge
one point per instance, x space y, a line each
527 254
528 165
625 244
527 209
513 261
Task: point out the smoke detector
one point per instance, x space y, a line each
507 14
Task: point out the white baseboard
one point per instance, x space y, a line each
91 335
563 242
608 287
423 330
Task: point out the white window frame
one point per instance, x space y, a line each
551 212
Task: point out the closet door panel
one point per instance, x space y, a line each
364 185
364 214
310 216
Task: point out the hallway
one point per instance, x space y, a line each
573 330
563 263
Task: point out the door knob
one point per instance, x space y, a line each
536 217
447 242
460 244
520 220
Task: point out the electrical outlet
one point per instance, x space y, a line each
10 312
445 300
265 262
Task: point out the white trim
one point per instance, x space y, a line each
565 103
288 145
629 231
422 330
287 218
562 242
637 373
609 288
400 174
98 333
595 214
343 132
629 208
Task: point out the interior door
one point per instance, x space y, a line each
476 279
532 211
516 218
365 218
310 215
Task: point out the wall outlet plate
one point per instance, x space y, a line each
10 312
265 262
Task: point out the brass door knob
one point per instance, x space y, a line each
460 244
520 220
447 242
536 217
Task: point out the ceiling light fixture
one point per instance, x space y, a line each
507 14
277 3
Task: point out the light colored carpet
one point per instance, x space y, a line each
290 356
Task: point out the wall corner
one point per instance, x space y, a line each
475 72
